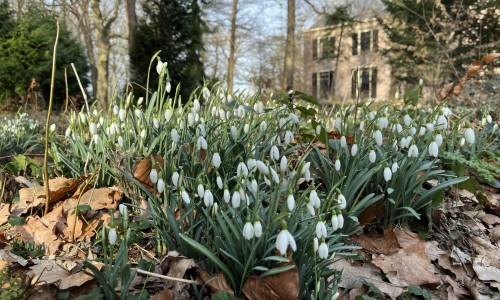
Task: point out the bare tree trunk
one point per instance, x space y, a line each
131 22
290 47
102 28
232 47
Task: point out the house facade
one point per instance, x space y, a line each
344 61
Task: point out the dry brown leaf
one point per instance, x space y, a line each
42 293
491 219
489 58
460 273
372 212
73 280
485 248
3 264
74 228
216 283
46 271
411 267
495 235
284 285
163 295
409 240
35 230
433 251
102 198
354 276
385 244
485 268
143 170
10 257
176 265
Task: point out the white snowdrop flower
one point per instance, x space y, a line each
259 107
284 240
175 178
383 122
246 128
112 236
196 105
226 195
335 222
305 168
138 113
315 244
337 165
342 201
160 186
315 201
257 228
274 175
242 169
408 140
208 198
168 114
120 141
283 164
307 175
153 176
95 112
430 127
253 186
190 119
438 138
156 124
122 114
495 127
483 122
412 131
387 174
229 98
289 137
462 142
377 135
318 129
92 128
140 100
274 154
96 139
442 122
362 126
143 134
222 114
219 182
114 129
422 131
241 111
201 143
206 93
251 164
101 122
174 135
116 109
262 167
489 119
216 160
236 199
122 208
185 196
168 86
394 167
354 149
234 132
389 191
407 120
83 118
160 66
433 149
294 118
200 130
52 128
372 156
68 132
399 128
340 219
320 229
200 189
413 151
290 201
469 136
263 126
343 141
338 123
214 111
281 122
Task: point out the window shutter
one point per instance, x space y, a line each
375 40
354 44
315 85
315 48
374 83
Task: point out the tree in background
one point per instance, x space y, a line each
437 39
174 27
26 54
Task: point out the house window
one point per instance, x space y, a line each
365 81
354 44
326 84
315 48
328 47
315 85
365 41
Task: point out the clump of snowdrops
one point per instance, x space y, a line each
228 193
18 134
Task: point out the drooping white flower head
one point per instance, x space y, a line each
284 240
438 138
372 156
413 151
185 196
122 208
226 196
160 67
262 167
354 149
337 165
394 167
236 199
289 137
323 250
219 182
201 143
343 142
283 164
407 120
153 176
290 201
315 201
168 114
242 170
320 229
257 228
469 136
208 198
216 160
160 186
335 222
422 130
248 231
200 189
112 236
442 123
433 149
274 154
342 201
387 174
92 128
340 219
377 135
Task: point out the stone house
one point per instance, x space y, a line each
343 60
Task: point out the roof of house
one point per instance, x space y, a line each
358 9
